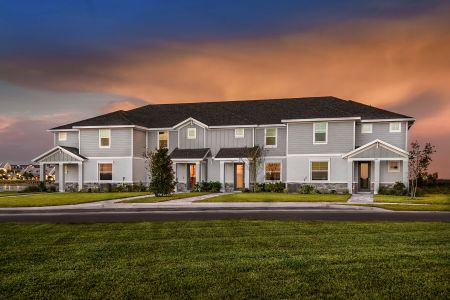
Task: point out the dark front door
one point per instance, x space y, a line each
192 176
364 176
238 176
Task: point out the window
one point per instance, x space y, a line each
239 133
163 138
319 170
62 136
273 171
271 137
320 133
105 171
393 166
192 133
104 138
395 127
366 128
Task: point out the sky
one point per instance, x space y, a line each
62 61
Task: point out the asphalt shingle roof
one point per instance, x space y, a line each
233 152
189 153
73 150
248 112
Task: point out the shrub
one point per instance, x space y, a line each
32 189
245 190
384 190
275 187
399 189
307 189
207 186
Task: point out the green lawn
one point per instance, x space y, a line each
433 202
46 199
277 197
4 194
168 198
226 259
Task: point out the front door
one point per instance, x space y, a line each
238 176
364 176
192 177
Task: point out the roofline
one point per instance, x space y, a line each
388 120
195 121
232 126
61 130
57 148
111 126
365 146
320 119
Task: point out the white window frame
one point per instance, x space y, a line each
189 136
281 171
391 170
238 134
395 130
62 136
98 170
265 138
366 128
310 170
100 138
314 133
168 138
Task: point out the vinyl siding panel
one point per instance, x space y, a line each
376 152
381 131
280 150
138 143
340 138
224 138
122 169
72 139
140 173
298 170
390 177
186 143
120 143
152 140
173 140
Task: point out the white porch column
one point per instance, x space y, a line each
350 176
405 171
41 172
222 175
80 176
247 175
61 177
377 176
197 172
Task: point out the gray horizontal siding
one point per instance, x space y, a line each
224 138
72 139
280 150
377 152
381 131
138 143
186 143
340 138
120 143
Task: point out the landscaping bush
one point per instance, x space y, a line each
276 187
307 189
399 189
32 189
207 186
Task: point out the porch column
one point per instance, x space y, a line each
405 171
222 175
377 177
198 172
80 176
61 177
350 176
41 172
247 175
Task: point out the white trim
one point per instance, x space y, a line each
320 119
314 133
231 159
204 138
374 159
271 125
79 140
311 160
395 130
132 142
315 155
265 138
239 136
46 154
388 120
253 142
188 136
100 139
58 130
393 170
196 122
366 146
281 170
110 126
110 157
287 139
186 160
232 126
368 131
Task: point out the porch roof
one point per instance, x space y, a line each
187 154
242 152
60 154
377 149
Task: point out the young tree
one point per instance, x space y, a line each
255 157
161 175
419 160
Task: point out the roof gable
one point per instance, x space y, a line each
377 149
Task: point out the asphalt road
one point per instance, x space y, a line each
98 216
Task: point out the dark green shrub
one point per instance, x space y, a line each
31 189
207 186
307 189
399 189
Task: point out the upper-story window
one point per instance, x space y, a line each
239 133
192 133
271 137
366 128
163 138
395 127
104 138
62 136
320 133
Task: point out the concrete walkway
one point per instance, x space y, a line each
361 199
